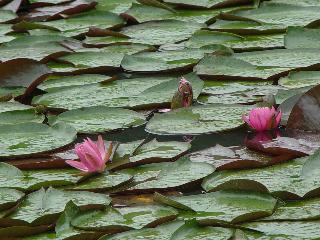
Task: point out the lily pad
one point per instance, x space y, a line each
305 114
238 157
174 175
161 32
239 43
298 37
206 3
44 206
104 182
114 6
124 218
149 152
9 198
32 50
284 180
274 13
286 229
193 231
12 177
109 57
100 119
223 68
20 116
55 82
163 61
247 27
6 15
13 106
31 138
222 206
198 119
162 232
141 92
81 23
297 210
301 79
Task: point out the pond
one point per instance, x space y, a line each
159 119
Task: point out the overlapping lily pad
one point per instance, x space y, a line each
138 153
54 82
12 177
284 180
100 119
125 218
170 175
44 206
197 120
31 138
284 14
129 93
285 230
227 67
222 206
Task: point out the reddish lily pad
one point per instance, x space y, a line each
305 115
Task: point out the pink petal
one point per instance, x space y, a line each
81 150
101 147
98 163
92 149
78 165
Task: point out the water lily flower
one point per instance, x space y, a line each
263 119
93 156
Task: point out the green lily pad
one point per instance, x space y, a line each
114 6
31 138
247 27
162 61
20 116
5 29
6 15
128 93
222 68
162 232
109 57
104 182
281 58
124 218
301 79
284 180
9 198
31 49
285 14
161 32
284 94
236 157
100 119
203 38
145 13
44 206
198 119
286 230
172 175
55 82
149 152
298 37
300 3
222 206
12 177
205 3
11 91
297 210
228 99
13 106
80 23
193 231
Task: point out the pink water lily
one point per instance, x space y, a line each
263 119
93 156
